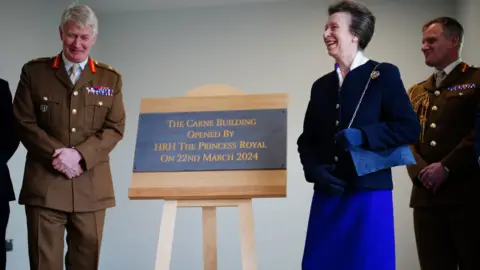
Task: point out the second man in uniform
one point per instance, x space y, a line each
446 176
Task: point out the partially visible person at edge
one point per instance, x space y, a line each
351 223
446 178
9 143
70 114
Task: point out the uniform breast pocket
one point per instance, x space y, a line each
460 103
97 108
460 94
48 111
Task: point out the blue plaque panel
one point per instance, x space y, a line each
206 141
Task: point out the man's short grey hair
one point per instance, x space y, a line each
82 15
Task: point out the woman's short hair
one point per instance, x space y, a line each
363 21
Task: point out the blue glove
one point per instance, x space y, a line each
320 176
350 138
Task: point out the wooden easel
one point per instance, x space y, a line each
165 240
210 189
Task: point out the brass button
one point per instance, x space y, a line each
74 111
433 143
74 130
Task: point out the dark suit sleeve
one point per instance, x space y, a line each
36 140
8 137
399 125
306 140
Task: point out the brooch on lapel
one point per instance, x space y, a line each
462 86
374 74
99 91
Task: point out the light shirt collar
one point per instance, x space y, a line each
359 60
68 64
448 69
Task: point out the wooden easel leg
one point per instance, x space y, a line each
245 210
165 238
209 238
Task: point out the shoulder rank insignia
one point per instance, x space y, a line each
99 91
463 86
91 64
56 61
40 59
106 66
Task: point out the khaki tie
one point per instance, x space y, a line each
439 77
73 73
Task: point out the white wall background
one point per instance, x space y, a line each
468 14
260 48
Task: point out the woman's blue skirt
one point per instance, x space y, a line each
354 231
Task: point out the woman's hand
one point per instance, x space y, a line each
321 176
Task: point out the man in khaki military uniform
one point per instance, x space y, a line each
70 115
446 177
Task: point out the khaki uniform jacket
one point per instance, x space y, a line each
447 115
52 113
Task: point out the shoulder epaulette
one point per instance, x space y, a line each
413 86
39 60
106 67
420 83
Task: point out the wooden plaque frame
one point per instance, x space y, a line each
210 189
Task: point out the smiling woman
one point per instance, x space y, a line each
351 216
